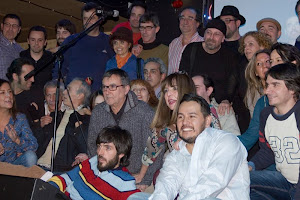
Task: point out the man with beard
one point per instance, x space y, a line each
271 27
233 20
210 163
63 29
104 176
37 41
15 74
214 59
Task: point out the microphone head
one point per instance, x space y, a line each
116 13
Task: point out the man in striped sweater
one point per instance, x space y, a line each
104 176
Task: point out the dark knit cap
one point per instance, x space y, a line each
218 24
122 33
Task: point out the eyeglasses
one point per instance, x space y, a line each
227 21
111 87
14 26
147 28
189 19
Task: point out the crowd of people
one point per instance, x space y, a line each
212 116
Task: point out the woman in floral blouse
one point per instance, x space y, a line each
17 143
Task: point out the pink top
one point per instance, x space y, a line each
176 49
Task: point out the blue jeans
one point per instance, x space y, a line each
27 159
270 185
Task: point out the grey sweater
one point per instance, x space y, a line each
136 118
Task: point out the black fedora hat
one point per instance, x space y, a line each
233 11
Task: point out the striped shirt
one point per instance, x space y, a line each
86 182
176 49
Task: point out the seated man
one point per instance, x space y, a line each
205 88
104 176
71 135
50 96
210 163
278 138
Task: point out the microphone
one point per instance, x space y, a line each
107 13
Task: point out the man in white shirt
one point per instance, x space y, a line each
210 163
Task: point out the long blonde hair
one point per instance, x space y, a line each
254 83
164 116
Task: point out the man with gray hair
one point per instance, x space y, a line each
189 21
72 129
122 108
149 46
155 72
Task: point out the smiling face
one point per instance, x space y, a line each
275 58
6 96
190 121
187 22
278 94
213 39
262 65
20 82
251 46
10 28
135 16
61 35
121 47
171 95
36 41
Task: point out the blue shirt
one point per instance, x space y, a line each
27 140
250 137
86 58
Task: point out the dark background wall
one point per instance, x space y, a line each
168 16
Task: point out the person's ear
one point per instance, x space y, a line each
208 121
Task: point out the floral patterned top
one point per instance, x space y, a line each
156 143
168 135
27 140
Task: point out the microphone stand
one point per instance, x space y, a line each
59 57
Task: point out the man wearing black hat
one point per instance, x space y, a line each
233 20
214 59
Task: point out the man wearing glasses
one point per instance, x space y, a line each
9 48
122 108
189 21
149 46
233 20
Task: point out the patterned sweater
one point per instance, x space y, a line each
87 182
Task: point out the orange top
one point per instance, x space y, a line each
121 61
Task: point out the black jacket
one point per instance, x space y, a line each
72 143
